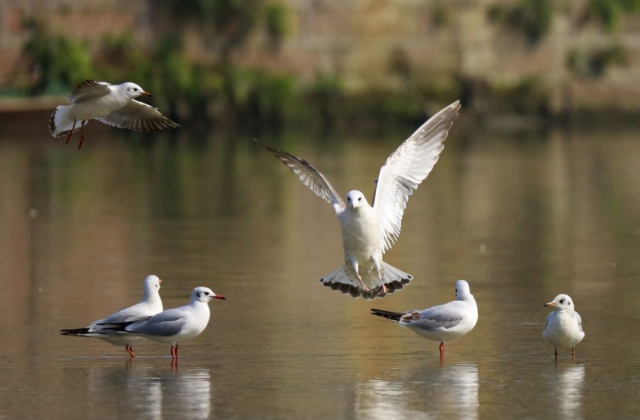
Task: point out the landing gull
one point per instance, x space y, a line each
564 325
150 305
443 322
369 231
113 105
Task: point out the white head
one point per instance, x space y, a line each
204 294
151 287
356 199
561 303
132 90
463 292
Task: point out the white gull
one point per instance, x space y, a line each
369 231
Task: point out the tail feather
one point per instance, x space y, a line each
344 280
117 326
394 316
76 331
61 123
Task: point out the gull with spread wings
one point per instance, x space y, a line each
369 231
113 105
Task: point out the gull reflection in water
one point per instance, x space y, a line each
569 382
152 394
449 391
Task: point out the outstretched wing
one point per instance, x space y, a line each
89 89
139 117
310 176
406 168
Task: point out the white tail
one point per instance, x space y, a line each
61 122
344 280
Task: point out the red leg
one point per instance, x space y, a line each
177 351
173 354
81 134
555 351
73 130
130 351
573 353
441 348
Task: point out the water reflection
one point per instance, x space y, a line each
450 391
566 385
153 394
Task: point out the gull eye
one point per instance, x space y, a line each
135 89
360 198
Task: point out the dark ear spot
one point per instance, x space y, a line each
198 294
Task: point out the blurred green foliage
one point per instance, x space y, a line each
276 21
609 12
532 18
595 63
57 60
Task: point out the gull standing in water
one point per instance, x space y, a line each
174 326
564 325
150 305
440 323
368 231
110 104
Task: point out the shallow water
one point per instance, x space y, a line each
522 218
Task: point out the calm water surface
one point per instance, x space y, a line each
522 218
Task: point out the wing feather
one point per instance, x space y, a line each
165 324
406 168
309 176
442 316
138 116
89 89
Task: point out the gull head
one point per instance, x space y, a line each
151 286
132 90
204 294
561 303
356 199
463 292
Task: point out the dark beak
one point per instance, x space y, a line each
220 297
146 94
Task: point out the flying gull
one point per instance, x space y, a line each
369 231
150 305
113 105
443 322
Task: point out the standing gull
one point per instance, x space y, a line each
150 305
174 326
442 322
110 104
369 231
564 325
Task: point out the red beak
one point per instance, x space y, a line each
146 94
220 297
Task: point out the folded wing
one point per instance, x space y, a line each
309 176
438 317
165 324
406 168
